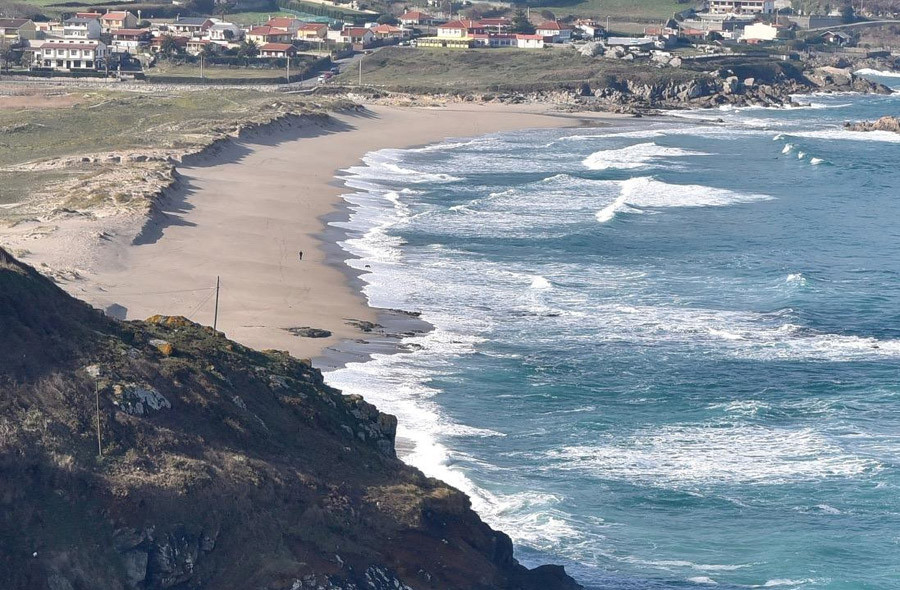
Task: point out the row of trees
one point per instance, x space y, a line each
168 47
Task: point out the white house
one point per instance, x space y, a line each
82 28
742 6
73 54
223 31
759 32
555 31
530 41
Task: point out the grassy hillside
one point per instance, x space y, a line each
448 70
617 10
45 135
216 467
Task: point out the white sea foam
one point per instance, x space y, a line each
645 192
539 282
796 278
801 155
816 161
681 456
641 155
873 72
702 580
787 148
841 134
780 582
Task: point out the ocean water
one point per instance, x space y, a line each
666 353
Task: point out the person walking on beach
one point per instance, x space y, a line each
301 254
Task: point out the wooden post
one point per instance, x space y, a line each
97 401
216 312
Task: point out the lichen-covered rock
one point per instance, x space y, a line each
164 347
138 400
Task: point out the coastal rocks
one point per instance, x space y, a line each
373 426
307 332
138 400
887 123
844 80
591 49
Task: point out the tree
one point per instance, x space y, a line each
547 15
168 46
521 24
847 13
387 19
7 55
208 50
248 49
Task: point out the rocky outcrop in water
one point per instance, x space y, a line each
883 124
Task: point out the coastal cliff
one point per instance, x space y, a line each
159 454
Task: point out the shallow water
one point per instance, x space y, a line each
665 354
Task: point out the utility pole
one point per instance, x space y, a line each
97 400
201 66
216 312
287 68
360 71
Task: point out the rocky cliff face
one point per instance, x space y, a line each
738 86
221 467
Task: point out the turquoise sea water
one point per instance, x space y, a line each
666 354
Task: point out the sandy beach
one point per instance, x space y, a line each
245 213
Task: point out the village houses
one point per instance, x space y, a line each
14 30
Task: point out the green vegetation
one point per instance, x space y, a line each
486 70
41 148
638 11
255 17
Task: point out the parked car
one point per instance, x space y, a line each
335 70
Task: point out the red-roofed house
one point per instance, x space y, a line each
266 34
121 19
495 25
130 40
312 32
69 54
390 32
459 29
357 36
156 42
277 50
92 15
286 23
530 41
555 31
414 17
16 29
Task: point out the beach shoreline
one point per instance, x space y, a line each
243 212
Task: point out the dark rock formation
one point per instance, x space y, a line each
221 467
883 124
